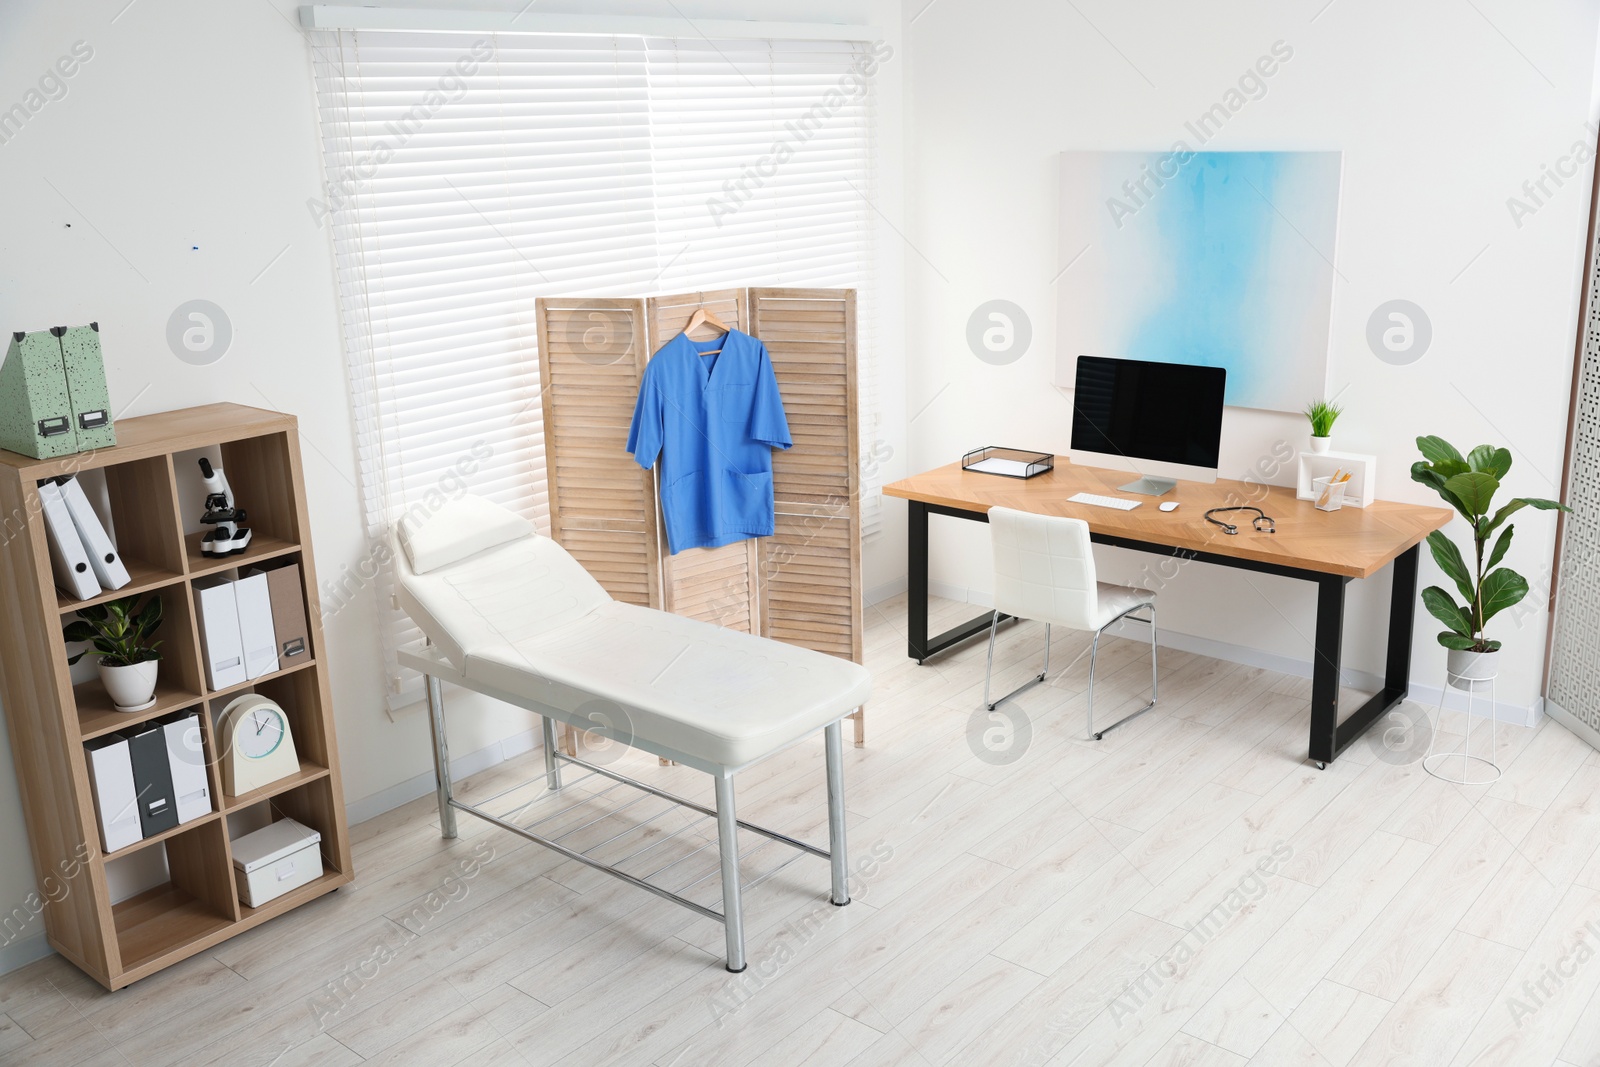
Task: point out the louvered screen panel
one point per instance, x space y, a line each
602 505
711 584
811 568
1573 684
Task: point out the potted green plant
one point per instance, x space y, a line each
1469 484
1322 415
120 636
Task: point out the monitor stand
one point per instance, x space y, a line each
1150 486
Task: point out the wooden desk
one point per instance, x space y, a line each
1328 548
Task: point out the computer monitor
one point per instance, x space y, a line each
1160 420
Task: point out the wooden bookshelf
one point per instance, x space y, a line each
50 718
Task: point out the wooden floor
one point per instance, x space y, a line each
1188 891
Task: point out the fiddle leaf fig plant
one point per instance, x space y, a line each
1469 485
117 633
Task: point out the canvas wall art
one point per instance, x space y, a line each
1223 259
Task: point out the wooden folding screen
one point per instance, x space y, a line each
811 568
802 585
602 505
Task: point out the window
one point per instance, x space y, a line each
468 174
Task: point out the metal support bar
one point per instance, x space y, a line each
728 847
441 755
838 853
586 861
701 808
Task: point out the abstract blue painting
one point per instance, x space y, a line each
1223 259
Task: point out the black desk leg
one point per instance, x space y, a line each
1327 658
917 582
1329 736
1402 615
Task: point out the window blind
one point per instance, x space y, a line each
467 175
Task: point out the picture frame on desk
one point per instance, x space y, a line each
1359 492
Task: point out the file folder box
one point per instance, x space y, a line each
116 801
186 759
217 611
288 613
85 369
152 779
35 408
254 601
53 396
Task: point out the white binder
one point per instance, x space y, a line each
116 801
255 625
218 613
187 757
67 558
103 558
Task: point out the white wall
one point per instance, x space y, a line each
177 165
1440 120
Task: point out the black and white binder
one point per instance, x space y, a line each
67 557
103 558
152 777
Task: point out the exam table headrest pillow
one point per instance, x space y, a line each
463 527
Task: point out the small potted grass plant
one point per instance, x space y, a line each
1469 484
119 632
1322 415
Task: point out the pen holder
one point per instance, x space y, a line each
1328 494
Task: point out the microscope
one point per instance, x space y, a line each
228 538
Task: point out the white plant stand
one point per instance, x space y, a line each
1461 765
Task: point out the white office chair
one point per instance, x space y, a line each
1044 570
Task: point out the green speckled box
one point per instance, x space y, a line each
53 398
86 386
35 408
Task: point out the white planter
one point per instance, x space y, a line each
131 688
1320 444
1471 671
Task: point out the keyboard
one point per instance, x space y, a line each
1105 501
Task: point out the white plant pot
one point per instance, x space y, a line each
131 688
1471 671
1320 444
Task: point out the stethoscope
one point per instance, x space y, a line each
1263 522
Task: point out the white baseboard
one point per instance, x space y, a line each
370 807
1572 722
24 951
1421 692
887 591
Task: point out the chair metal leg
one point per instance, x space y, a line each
838 853
441 755
994 625
1094 650
1151 622
728 847
552 766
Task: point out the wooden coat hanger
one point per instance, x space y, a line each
702 317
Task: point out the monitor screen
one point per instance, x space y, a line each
1166 412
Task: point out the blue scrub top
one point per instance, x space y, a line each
713 421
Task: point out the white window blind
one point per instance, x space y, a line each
469 174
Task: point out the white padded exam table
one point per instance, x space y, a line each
508 613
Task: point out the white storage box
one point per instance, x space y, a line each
275 860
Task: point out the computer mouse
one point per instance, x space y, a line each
1171 505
